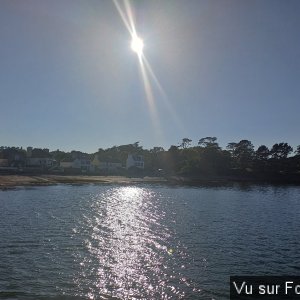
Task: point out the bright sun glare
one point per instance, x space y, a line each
137 45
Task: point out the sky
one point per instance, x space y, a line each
225 68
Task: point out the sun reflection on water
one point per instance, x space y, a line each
128 248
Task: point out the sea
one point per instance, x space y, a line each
144 241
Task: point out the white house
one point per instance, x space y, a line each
39 158
106 165
83 164
79 163
134 160
66 164
42 162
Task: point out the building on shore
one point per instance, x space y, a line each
82 164
39 158
107 165
135 160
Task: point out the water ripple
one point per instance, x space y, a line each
143 242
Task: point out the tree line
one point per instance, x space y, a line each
238 159
206 159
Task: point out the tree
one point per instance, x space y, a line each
242 152
186 142
37 152
262 152
297 151
208 142
59 155
281 150
173 148
169 159
137 146
231 148
156 150
261 162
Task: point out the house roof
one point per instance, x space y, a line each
67 160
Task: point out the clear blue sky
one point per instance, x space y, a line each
69 80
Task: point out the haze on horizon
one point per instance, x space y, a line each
70 80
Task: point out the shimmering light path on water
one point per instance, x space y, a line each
143 242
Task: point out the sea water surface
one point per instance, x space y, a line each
144 241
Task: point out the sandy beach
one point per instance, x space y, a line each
9 181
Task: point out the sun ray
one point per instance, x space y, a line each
151 102
130 17
164 96
125 20
147 74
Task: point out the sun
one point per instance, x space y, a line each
137 45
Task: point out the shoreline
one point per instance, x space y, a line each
13 181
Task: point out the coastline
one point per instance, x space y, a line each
13 181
